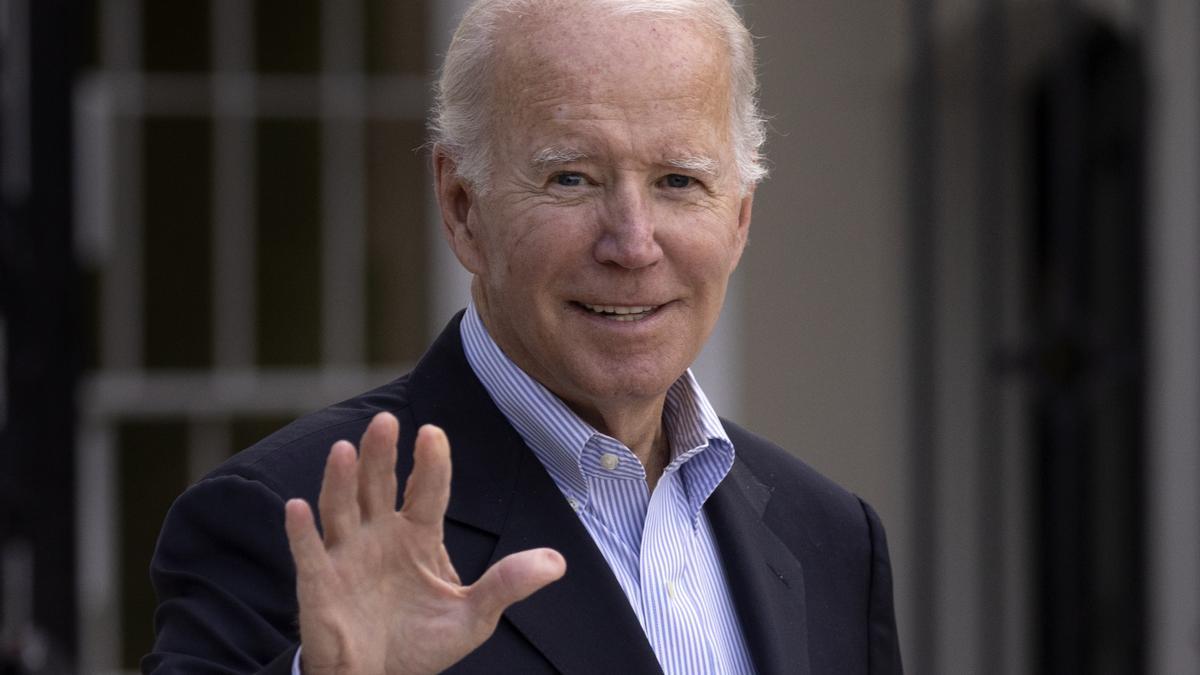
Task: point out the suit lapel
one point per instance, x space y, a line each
582 623
766 580
500 487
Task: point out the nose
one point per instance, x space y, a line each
628 237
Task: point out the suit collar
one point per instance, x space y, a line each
498 486
765 578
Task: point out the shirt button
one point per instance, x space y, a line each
671 590
609 461
573 502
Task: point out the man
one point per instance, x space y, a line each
595 164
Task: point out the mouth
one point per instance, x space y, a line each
621 312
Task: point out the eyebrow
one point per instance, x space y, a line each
697 163
557 155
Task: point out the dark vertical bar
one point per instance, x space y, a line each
922 264
992 145
38 301
1066 575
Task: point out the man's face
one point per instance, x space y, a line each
614 214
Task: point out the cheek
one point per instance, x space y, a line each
529 262
709 254
552 243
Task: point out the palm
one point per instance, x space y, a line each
379 593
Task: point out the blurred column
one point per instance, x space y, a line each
115 113
991 83
121 301
343 180
233 183
922 180
450 284
1174 304
40 347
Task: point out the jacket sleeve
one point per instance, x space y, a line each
884 654
225 583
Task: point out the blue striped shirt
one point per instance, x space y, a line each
659 544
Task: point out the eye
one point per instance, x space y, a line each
678 181
568 179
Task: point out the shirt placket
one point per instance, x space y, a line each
672 613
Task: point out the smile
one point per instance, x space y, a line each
621 312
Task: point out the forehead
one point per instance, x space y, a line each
591 67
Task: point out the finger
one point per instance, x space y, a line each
377 467
428 488
308 551
338 501
514 578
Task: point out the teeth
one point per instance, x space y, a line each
622 313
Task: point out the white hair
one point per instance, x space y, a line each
458 122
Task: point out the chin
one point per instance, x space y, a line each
625 383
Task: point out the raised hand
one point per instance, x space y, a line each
379 593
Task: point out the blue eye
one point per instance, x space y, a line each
677 180
568 179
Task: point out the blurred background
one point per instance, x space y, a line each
972 294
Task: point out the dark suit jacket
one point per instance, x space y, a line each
807 561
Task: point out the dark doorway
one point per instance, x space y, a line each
1086 300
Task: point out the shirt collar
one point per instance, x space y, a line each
558 436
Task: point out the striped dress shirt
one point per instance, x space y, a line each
659 544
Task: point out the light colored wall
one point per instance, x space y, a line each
1174 377
822 295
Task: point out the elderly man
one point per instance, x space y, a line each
595 163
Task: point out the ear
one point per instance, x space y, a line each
743 225
456 201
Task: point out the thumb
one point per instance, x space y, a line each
514 578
